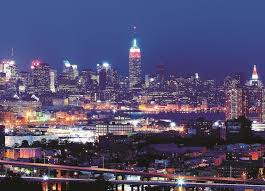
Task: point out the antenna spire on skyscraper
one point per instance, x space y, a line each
134 29
255 73
12 53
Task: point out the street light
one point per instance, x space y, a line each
45 178
244 175
180 182
54 187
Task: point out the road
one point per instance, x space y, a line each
122 172
151 183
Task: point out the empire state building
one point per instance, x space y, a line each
135 66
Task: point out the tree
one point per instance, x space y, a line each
13 182
43 141
245 133
53 144
24 143
36 144
99 185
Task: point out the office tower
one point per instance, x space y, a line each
70 71
135 70
53 77
254 91
105 76
24 77
161 68
233 80
263 107
40 77
23 82
235 103
254 96
67 80
147 81
115 79
87 81
9 68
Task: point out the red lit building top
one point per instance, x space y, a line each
35 63
135 51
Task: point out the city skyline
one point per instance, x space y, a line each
132 95
245 74
208 40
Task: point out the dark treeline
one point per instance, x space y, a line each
14 182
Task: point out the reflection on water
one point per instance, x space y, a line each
177 117
10 141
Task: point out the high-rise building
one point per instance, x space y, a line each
161 68
235 103
23 81
105 76
67 80
9 68
53 77
86 83
135 63
40 77
254 91
233 80
247 101
70 71
107 82
263 107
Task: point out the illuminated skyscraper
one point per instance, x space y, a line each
235 103
23 81
70 71
254 89
255 81
53 75
263 107
40 77
135 70
87 80
105 76
9 68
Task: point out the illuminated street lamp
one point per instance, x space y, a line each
244 175
54 187
45 178
180 182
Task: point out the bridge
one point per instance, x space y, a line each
168 180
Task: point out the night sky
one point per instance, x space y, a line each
211 37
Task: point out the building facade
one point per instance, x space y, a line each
135 66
